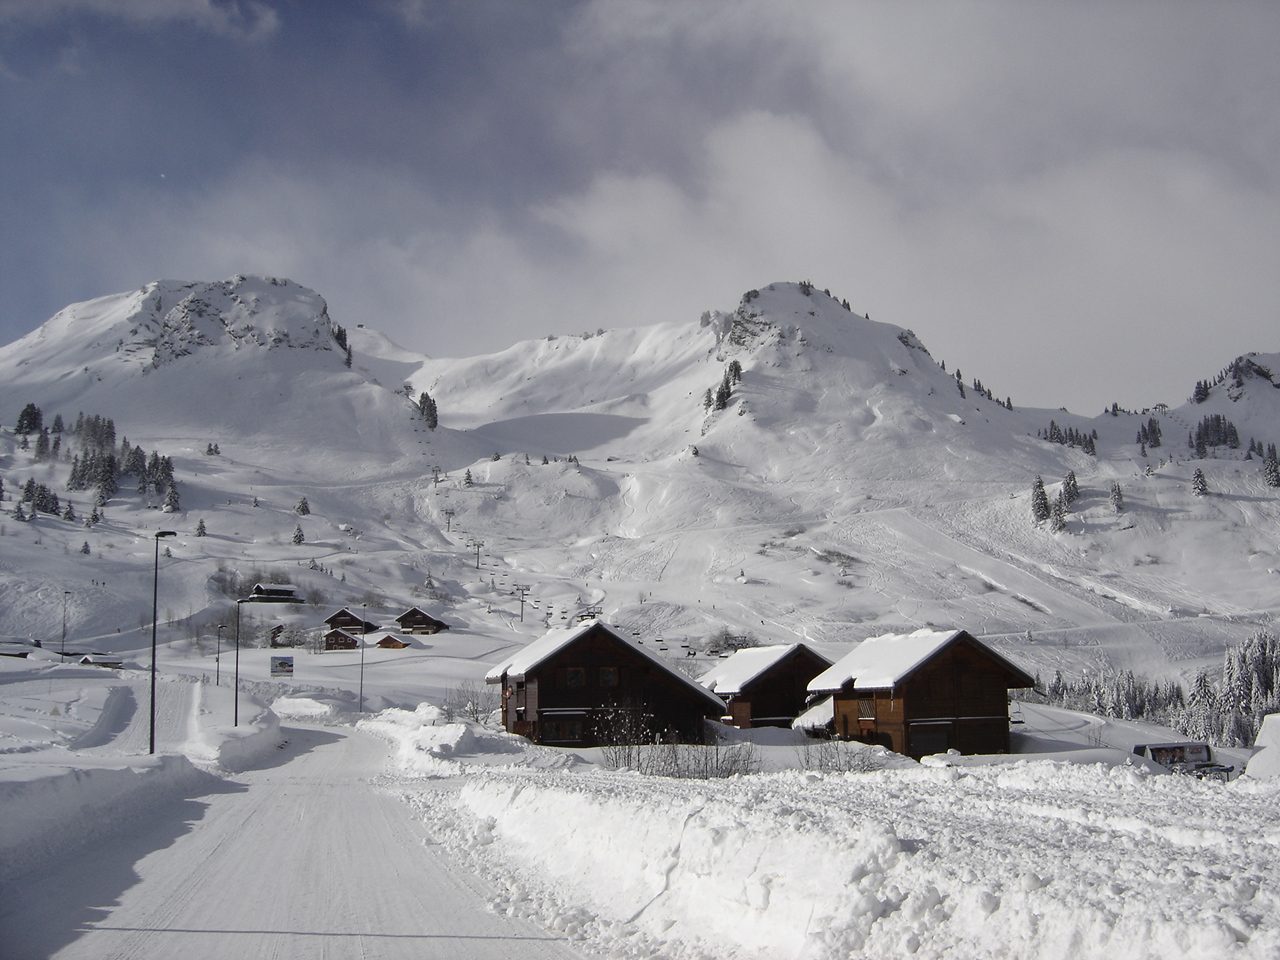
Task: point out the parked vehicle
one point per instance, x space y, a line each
1188 757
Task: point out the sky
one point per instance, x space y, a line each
1077 203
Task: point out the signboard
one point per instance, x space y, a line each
282 666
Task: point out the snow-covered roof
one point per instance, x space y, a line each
728 677
548 645
883 661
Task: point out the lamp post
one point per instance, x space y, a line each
235 697
63 652
155 600
217 658
364 636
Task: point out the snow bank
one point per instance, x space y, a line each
52 812
1265 764
1036 859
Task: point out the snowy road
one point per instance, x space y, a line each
307 858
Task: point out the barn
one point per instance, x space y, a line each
922 693
765 686
587 685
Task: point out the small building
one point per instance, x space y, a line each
344 619
765 686
587 685
338 639
275 593
389 640
111 661
416 620
922 693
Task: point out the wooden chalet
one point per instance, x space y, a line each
765 686
339 639
922 693
352 623
587 685
415 620
275 592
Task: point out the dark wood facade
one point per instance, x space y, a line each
956 699
339 639
776 696
415 620
599 688
344 619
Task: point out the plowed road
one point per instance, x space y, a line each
306 858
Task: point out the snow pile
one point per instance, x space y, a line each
50 812
1036 859
1265 764
302 708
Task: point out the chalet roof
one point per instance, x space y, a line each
729 677
373 639
530 657
886 660
276 587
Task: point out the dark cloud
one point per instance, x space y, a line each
1072 202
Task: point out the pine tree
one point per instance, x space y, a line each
1039 501
29 420
84 548
1198 484
1058 518
302 508
1271 472
200 528
1070 488
1117 498
298 536
171 499
467 481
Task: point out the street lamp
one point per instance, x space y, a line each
155 594
364 636
217 658
235 697
63 652
254 599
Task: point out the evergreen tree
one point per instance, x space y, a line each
18 513
58 426
298 536
84 548
1070 488
69 513
1271 472
1039 501
1198 484
466 478
723 392
302 508
42 445
1117 498
427 409
200 528
707 399
29 420
1058 517
171 499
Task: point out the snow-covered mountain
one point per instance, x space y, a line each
844 482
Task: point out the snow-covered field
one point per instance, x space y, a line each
848 488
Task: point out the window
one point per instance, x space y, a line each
575 677
608 676
866 708
561 731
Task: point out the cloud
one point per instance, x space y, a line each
248 20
